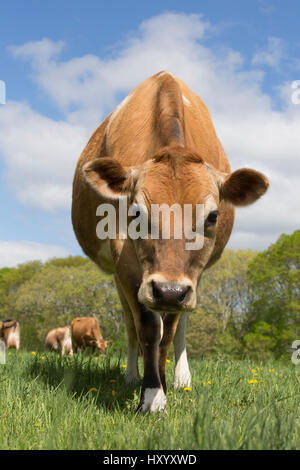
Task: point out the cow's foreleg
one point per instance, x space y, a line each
132 370
150 332
182 375
170 323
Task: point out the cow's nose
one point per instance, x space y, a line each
170 295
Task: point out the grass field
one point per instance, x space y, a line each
82 402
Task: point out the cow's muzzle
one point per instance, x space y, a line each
161 294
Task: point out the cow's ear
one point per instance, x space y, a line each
242 187
109 178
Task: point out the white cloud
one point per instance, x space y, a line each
40 154
13 253
272 54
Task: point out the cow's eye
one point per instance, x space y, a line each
212 218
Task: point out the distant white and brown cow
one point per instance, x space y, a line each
10 333
60 340
157 147
86 333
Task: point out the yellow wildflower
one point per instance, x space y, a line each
113 392
271 370
253 381
187 389
33 353
93 389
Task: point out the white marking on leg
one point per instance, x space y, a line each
154 400
67 346
182 375
17 336
132 371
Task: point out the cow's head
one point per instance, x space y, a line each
170 269
102 345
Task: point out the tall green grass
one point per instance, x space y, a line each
82 402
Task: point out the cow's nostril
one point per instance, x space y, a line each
169 294
183 293
156 291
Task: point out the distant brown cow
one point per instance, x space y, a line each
86 333
10 334
59 339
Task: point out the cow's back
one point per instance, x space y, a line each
132 134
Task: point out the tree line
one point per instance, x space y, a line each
249 302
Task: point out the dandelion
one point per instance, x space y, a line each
113 392
253 371
93 389
42 357
209 382
187 389
271 370
33 353
204 384
253 381
168 361
124 365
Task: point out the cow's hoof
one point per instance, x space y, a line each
131 378
154 400
181 381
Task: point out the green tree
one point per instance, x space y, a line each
46 296
274 277
224 300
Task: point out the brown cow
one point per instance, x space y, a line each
10 333
60 340
86 333
158 147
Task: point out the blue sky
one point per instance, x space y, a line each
56 57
